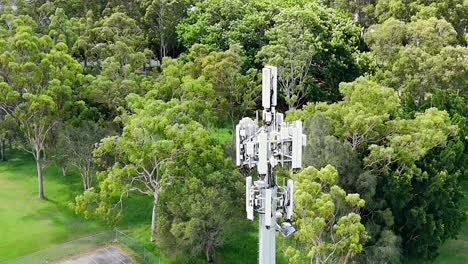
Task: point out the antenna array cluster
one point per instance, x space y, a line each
274 143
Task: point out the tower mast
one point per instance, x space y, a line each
274 143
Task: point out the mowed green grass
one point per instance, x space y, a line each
28 224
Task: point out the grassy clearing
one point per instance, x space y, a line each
28 224
221 134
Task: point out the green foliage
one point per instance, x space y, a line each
328 219
362 11
221 23
38 79
454 11
161 18
116 36
196 224
417 58
212 80
395 150
75 146
362 115
397 135
146 156
61 28
311 45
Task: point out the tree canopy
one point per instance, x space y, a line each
141 98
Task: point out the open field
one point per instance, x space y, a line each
28 224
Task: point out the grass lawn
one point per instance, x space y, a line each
27 223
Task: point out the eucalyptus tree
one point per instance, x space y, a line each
161 18
400 151
421 61
8 130
427 69
220 24
213 79
38 78
61 28
160 145
76 144
116 36
236 93
202 208
328 218
362 11
453 11
315 48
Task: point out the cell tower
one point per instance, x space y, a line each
274 143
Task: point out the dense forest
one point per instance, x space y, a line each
141 98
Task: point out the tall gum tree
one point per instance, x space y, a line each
37 80
157 142
311 44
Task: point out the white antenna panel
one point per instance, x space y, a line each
238 145
248 199
268 207
284 132
262 165
250 149
279 119
266 87
289 209
297 145
274 83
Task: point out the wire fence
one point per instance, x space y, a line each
87 244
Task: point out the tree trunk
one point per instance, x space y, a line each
64 170
85 185
2 149
209 253
347 257
153 218
39 178
40 184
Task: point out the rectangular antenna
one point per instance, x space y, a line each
248 198
274 83
297 145
266 87
289 209
262 165
268 207
238 145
